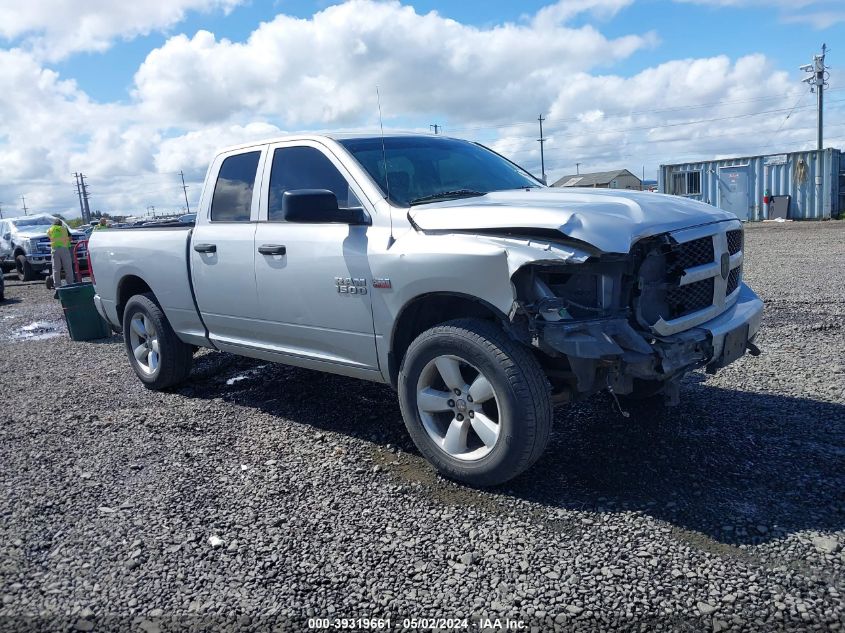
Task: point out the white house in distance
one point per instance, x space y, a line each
617 179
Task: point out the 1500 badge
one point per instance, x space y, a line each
351 285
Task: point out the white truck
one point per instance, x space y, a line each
25 247
441 268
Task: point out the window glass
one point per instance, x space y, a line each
305 168
232 199
694 183
686 183
418 169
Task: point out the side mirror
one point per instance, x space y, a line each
318 206
7 236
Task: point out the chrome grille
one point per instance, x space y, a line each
696 253
733 280
734 241
684 300
701 274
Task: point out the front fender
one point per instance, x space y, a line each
474 265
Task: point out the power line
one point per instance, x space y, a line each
800 99
677 139
582 134
678 124
703 156
625 113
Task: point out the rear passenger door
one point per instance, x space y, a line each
306 314
222 250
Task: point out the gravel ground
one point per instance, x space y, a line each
258 495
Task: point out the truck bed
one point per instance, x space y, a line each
156 254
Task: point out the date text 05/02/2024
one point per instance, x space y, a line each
411 624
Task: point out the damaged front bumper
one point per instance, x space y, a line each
609 352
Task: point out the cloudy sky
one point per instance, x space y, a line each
130 93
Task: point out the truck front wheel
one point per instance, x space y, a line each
24 269
475 402
156 354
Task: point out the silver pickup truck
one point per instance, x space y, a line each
441 268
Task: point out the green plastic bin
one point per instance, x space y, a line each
84 323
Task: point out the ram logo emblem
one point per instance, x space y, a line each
726 265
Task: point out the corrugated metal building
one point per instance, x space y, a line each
814 181
617 179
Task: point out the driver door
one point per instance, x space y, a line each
302 269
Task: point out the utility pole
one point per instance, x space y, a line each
577 169
185 190
86 215
1 210
23 200
542 141
817 82
79 194
435 127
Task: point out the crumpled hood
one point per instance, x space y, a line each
609 219
33 231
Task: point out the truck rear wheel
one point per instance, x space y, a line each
475 402
24 269
156 354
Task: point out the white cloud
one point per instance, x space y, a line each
820 14
193 151
567 9
197 93
325 70
675 111
57 28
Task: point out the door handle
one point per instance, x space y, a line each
205 248
272 249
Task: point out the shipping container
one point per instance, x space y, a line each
813 180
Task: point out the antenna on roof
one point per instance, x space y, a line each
386 179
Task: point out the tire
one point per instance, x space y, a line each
520 404
24 269
165 361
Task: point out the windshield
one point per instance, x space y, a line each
428 169
28 223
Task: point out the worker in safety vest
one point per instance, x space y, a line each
102 224
60 246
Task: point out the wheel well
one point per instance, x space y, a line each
19 251
128 287
427 311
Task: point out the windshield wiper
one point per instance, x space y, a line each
446 195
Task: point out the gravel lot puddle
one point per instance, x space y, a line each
38 331
245 376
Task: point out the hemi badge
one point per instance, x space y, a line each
381 282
